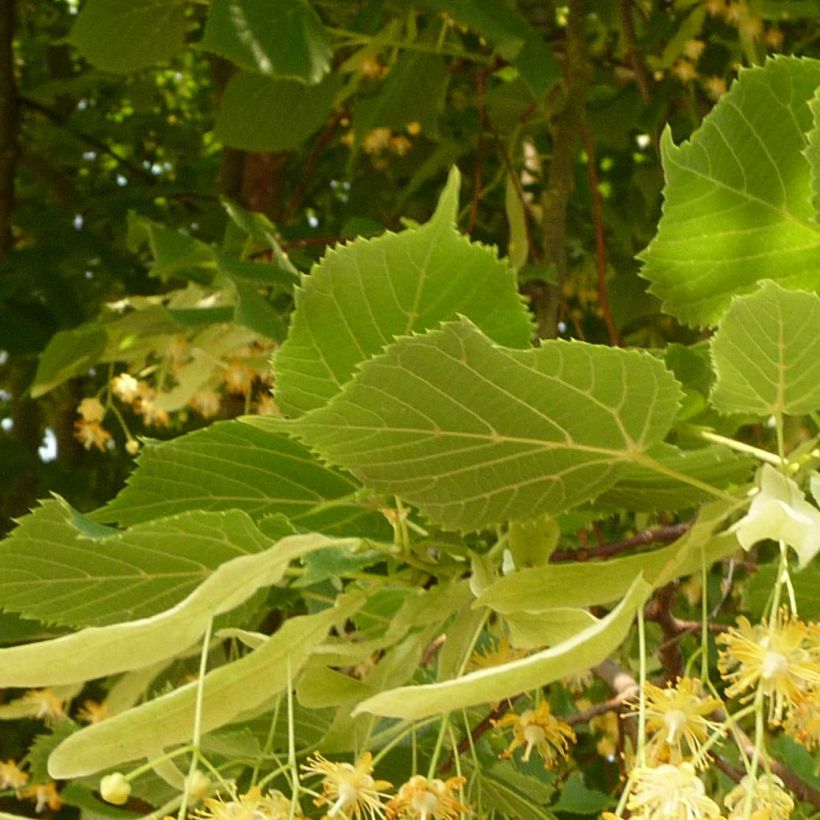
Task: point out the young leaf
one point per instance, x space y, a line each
98 651
62 568
278 38
228 691
582 651
362 295
231 465
130 36
738 204
767 353
476 434
591 583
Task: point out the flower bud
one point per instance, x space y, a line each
115 788
199 784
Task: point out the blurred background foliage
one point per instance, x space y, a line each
168 168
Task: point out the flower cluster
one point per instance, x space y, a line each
350 790
782 656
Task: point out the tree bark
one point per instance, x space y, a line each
8 123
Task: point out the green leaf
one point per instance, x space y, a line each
260 113
126 37
69 353
584 650
414 91
738 197
277 38
642 489
475 434
228 691
62 568
535 630
364 294
591 583
577 798
514 794
813 153
806 584
176 254
767 354
231 465
105 650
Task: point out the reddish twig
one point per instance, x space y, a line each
660 535
600 238
659 610
630 43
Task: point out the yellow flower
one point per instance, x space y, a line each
400 145
782 657
207 403
350 790
428 799
693 49
152 413
803 723
684 71
495 654
538 729
45 705
92 712
125 387
91 410
237 378
770 801
715 87
676 720
12 776
667 791
249 806
43 794
376 140
91 434
578 682
609 727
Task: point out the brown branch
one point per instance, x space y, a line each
481 89
600 238
90 140
615 704
478 730
660 535
630 42
659 610
561 177
8 124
